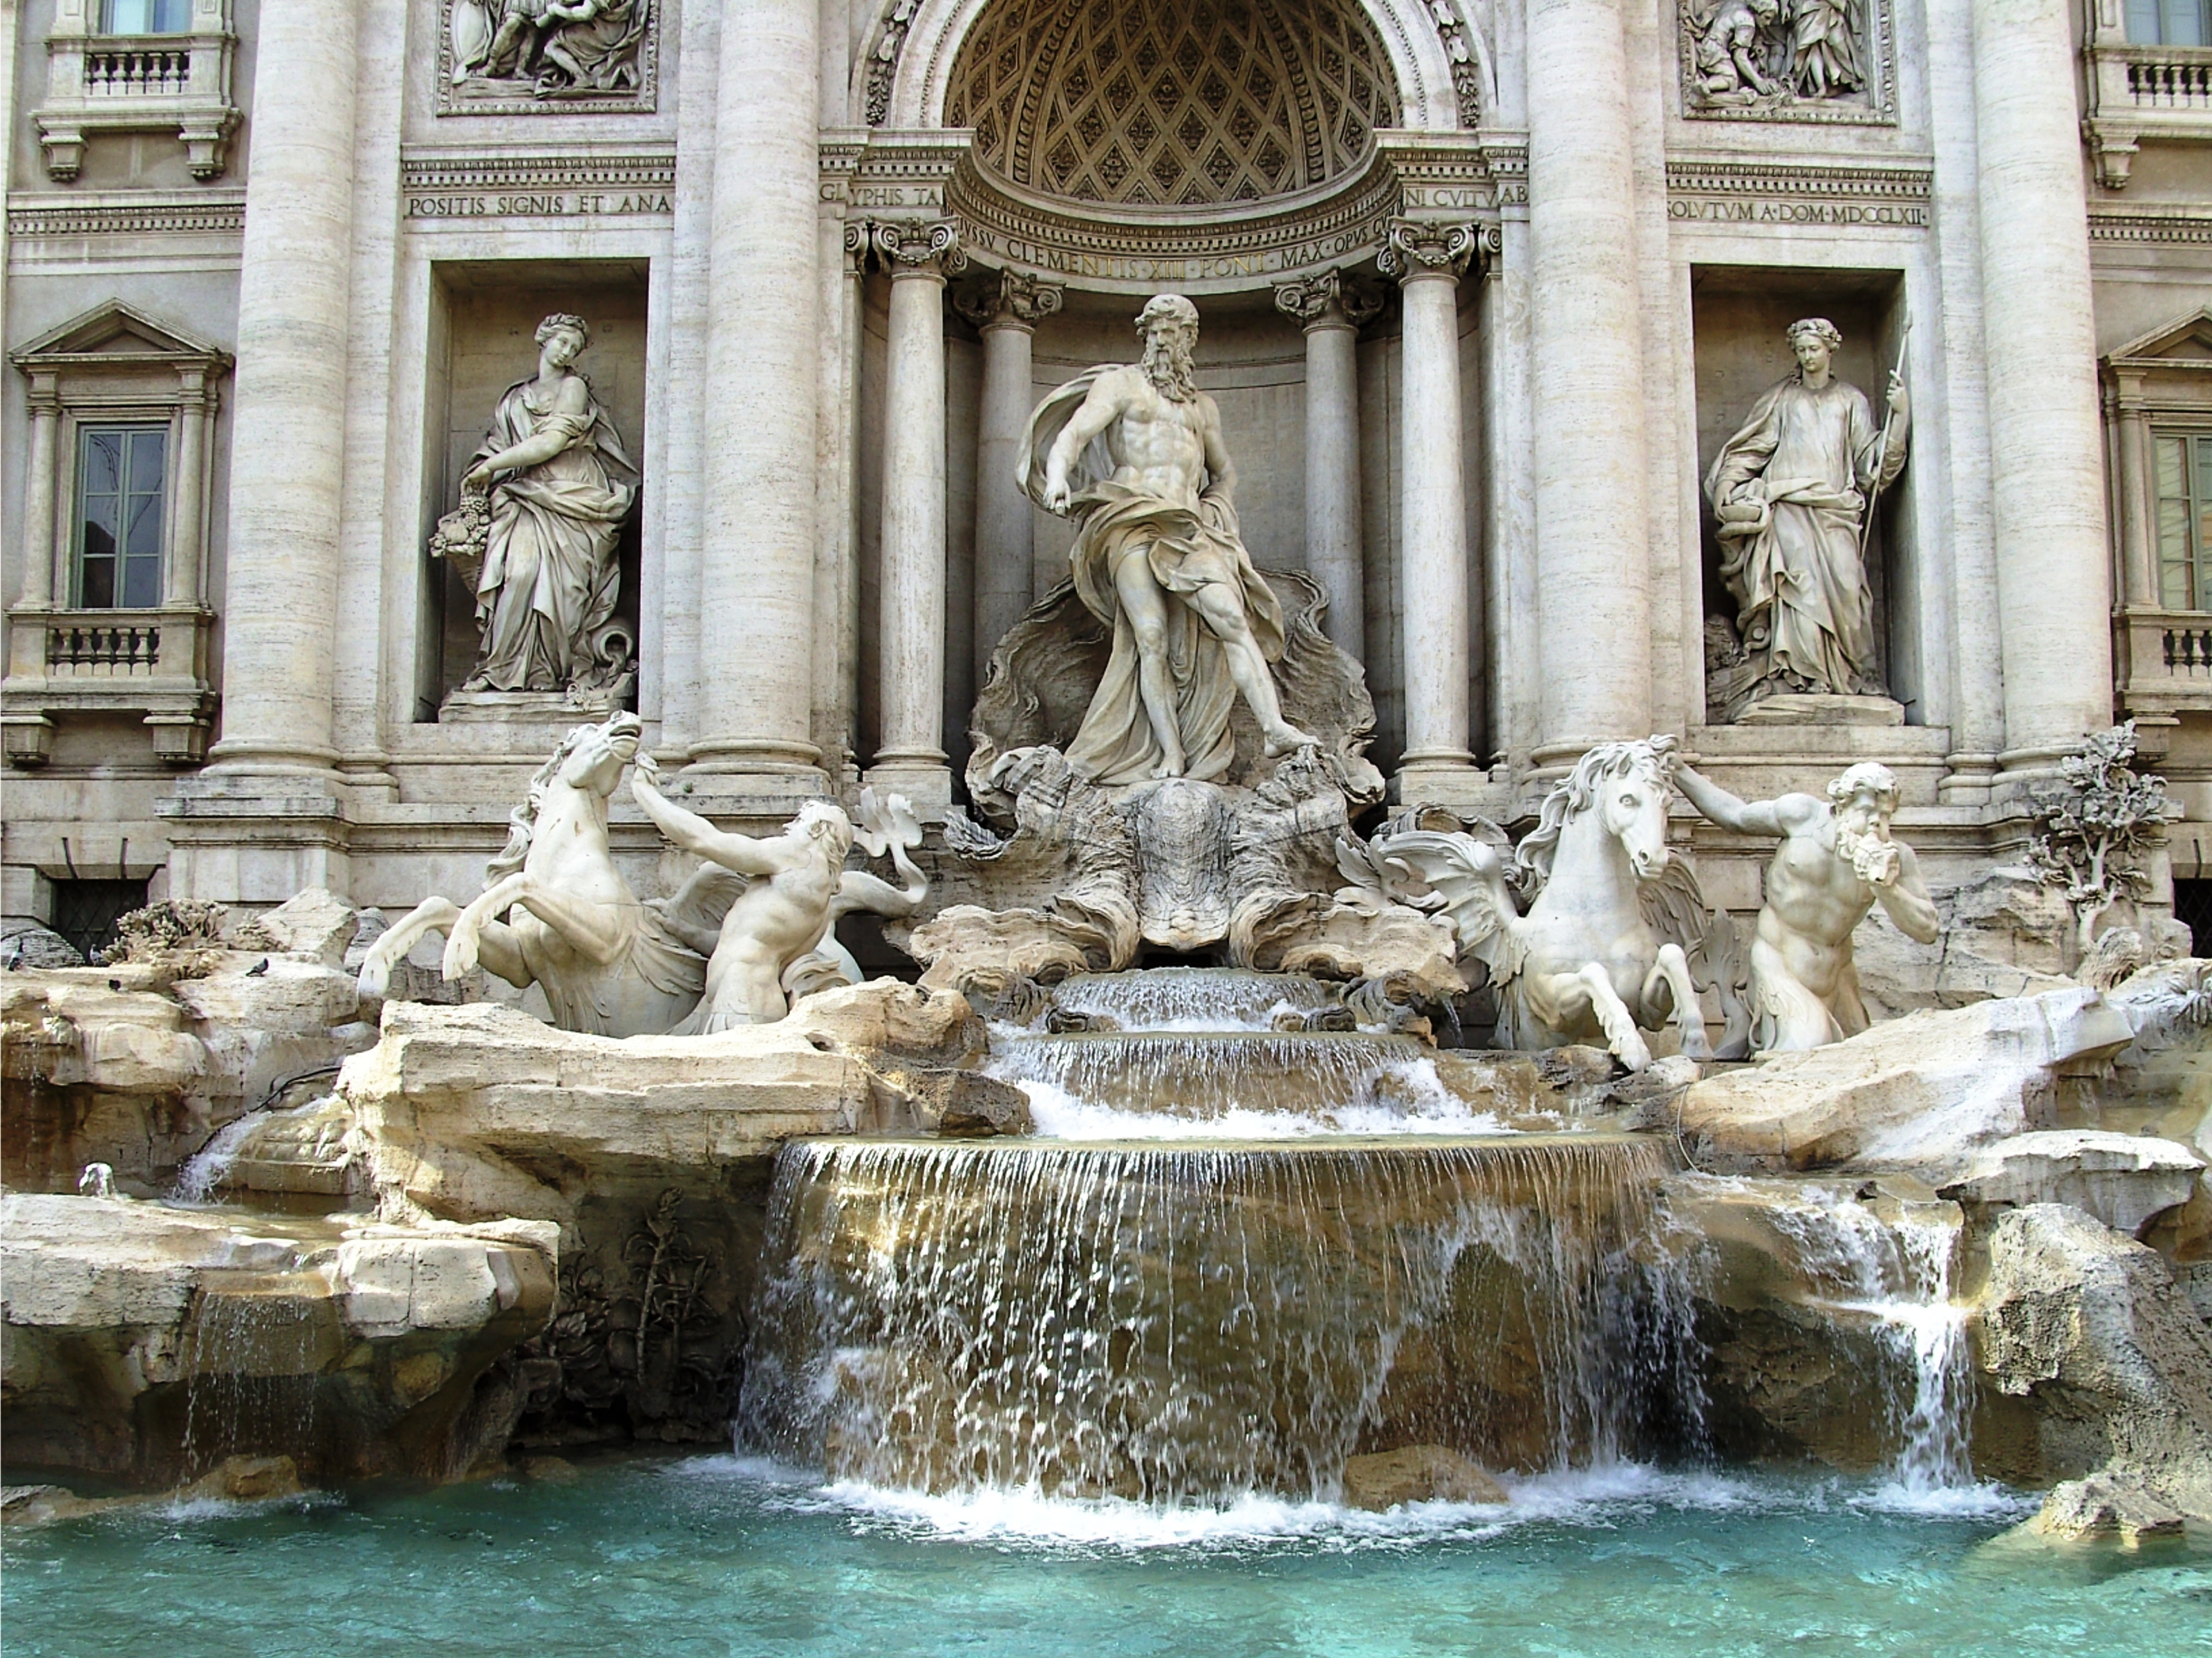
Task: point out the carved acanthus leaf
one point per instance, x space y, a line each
1330 295
1008 297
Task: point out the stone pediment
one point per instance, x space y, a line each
2184 343
114 334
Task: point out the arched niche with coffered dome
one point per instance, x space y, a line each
1120 145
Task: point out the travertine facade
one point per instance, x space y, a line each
1485 286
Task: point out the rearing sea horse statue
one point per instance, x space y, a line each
1604 949
556 912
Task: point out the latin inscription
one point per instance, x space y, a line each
1708 210
541 204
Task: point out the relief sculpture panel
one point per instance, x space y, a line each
518 57
1788 60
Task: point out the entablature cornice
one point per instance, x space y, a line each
1744 189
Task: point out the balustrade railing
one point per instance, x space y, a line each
137 71
2171 82
2189 650
123 648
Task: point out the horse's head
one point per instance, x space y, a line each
1621 787
592 757
1624 786
1632 781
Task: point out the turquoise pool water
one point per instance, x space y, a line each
712 1555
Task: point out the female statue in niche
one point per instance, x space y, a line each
1791 491
547 588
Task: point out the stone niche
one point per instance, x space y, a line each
1740 315
483 321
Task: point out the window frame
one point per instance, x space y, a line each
85 411
83 429
2195 436
103 29
2158 7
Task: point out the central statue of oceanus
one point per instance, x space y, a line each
1136 450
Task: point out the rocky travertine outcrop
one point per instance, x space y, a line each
2091 1360
654 1155
2124 1180
1921 1091
144 1341
136 1064
1418 1473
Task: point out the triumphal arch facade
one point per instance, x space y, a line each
397 384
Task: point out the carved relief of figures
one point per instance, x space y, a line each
1792 490
543 504
1785 60
546 52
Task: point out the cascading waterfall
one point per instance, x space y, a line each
1193 1323
1212 1075
1893 1269
1193 998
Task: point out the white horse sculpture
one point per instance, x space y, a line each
1605 947
608 962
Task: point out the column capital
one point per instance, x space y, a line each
856 246
1421 247
918 248
1008 298
1331 300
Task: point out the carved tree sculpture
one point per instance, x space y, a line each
2094 830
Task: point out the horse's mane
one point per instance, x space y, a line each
522 822
1532 859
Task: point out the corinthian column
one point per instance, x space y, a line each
910 757
1333 312
758 547
1428 260
281 573
1592 531
2054 574
1006 309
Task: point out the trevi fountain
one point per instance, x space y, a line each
1152 826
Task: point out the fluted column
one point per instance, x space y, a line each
1428 260
2054 578
280 581
757 545
1592 526
180 576
1333 311
38 479
1006 309
910 629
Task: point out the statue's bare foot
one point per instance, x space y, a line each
1170 767
1288 740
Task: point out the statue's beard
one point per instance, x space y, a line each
1872 854
1167 365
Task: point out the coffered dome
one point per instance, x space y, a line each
1164 103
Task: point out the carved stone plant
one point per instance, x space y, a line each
2093 832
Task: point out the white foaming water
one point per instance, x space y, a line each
1024 1518
1420 1103
1192 999
208 1167
1896 1272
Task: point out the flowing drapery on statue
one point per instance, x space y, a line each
550 576
1159 559
1791 491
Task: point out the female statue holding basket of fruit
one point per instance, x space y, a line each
542 505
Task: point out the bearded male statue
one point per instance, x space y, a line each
1137 451
1835 863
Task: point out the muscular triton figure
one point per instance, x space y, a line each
1835 863
1136 449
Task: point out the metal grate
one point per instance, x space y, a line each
86 912
2192 908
